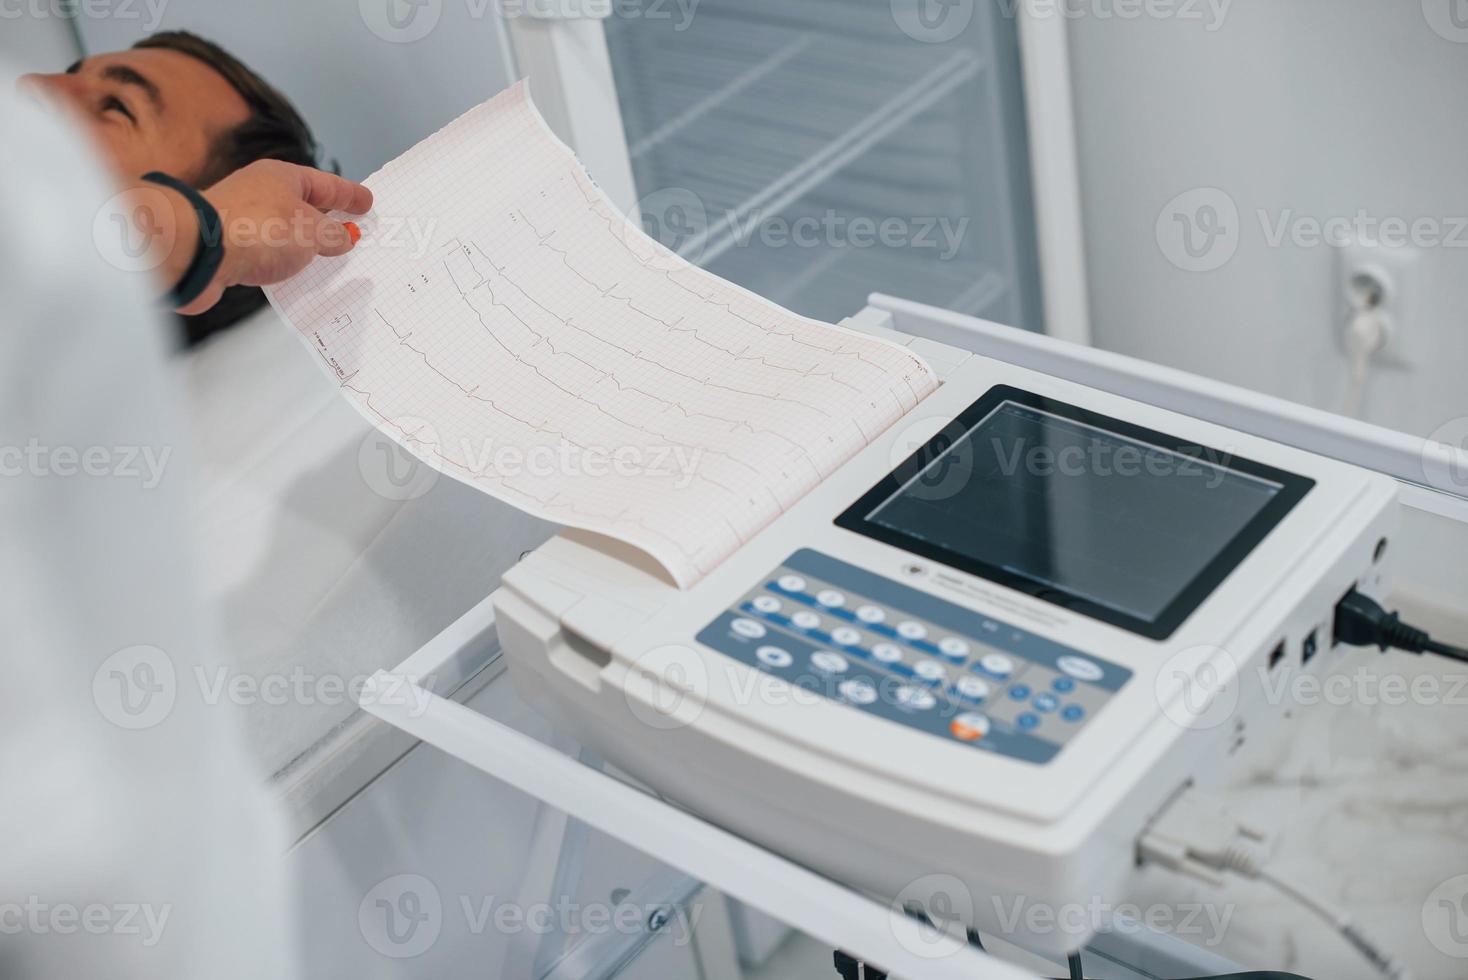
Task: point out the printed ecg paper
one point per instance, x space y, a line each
502 321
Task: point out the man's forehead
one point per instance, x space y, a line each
184 84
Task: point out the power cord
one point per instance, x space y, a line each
1367 334
1205 842
1361 621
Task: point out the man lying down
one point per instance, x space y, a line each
327 551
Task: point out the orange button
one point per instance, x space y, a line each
969 727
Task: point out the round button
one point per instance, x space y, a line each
916 698
969 726
973 688
1020 692
858 691
930 670
1062 685
870 614
909 630
791 583
1045 703
952 646
846 636
774 657
830 598
766 603
1073 712
997 664
887 653
1027 722
748 627
806 620
831 663
1080 668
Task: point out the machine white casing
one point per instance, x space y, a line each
598 637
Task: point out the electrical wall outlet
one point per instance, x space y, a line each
1392 273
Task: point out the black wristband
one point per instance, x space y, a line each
210 250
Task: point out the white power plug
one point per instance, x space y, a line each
1367 334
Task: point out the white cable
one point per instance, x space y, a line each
1203 841
1366 335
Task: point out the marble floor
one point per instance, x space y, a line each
1365 790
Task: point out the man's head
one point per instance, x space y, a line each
180 104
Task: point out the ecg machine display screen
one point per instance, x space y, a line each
1128 525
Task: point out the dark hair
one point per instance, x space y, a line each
274 131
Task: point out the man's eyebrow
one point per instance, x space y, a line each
128 76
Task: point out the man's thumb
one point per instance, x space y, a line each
335 237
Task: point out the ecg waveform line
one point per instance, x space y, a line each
539 319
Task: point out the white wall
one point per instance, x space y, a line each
1322 107
29 43
367 94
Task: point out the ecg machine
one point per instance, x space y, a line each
990 647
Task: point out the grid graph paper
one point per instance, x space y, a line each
503 322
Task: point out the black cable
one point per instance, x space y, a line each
1361 621
1077 971
1444 650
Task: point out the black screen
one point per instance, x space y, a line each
1127 524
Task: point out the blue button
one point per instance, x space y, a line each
1063 685
1046 703
1020 692
1073 712
1027 721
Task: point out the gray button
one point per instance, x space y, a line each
1080 668
748 627
831 663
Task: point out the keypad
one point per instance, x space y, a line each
882 647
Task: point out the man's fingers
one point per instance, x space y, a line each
333 237
328 192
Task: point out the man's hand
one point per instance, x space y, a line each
274 221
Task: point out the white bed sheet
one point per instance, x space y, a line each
314 573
